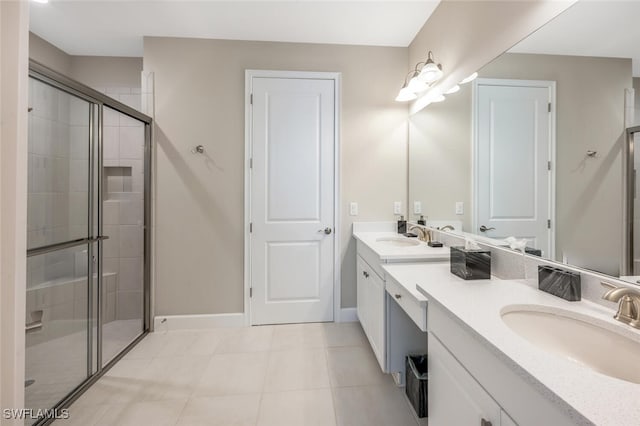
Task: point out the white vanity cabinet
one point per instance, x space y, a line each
468 383
370 300
455 398
392 317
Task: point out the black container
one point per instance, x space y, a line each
473 264
417 381
402 225
561 283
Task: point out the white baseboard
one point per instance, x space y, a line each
348 315
185 322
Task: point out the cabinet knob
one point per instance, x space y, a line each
397 296
484 422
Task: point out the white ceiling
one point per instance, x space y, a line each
591 28
116 28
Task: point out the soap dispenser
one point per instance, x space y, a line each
422 221
402 225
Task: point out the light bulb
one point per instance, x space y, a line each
438 98
416 85
405 95
430 72
470 78
453 90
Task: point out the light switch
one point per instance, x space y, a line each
397 207
459 207
353 209
417 207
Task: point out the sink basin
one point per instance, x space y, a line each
398 241
585 340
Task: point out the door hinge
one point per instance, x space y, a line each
250 292
548 165
548 223
250 227
549 107
251 99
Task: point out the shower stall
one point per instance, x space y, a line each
88 239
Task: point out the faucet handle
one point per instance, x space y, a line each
608 285
628 311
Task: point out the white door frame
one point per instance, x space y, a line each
248 144
551 87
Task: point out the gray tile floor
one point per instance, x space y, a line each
299 374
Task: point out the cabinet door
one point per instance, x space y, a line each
377 326
361 293
454 397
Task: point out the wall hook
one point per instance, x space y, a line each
198 150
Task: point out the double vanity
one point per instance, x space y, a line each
500 351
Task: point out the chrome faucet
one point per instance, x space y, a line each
423 233
629 308
447 228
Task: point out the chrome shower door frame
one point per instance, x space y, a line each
98 101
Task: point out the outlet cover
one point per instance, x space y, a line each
459 207
397 207
417 207
353 209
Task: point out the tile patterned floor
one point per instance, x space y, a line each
299 374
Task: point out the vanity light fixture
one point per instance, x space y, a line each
430 71
420 79
40 1
438 98
470 78
453 90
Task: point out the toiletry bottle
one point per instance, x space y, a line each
422 220
402 225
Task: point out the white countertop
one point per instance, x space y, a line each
403 253
476 305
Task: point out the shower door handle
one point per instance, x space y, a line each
98 238
33 326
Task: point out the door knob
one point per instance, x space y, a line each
326 230
485 229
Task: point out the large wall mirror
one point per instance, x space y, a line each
536 146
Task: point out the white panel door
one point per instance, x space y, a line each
292 200
512 152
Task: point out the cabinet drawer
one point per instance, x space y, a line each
414 309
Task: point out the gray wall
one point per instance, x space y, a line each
200 204
49 55
590 116
99 72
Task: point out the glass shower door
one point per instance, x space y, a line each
123 196
60 312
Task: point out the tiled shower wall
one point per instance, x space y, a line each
58 157
123 152
57 197
57 183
